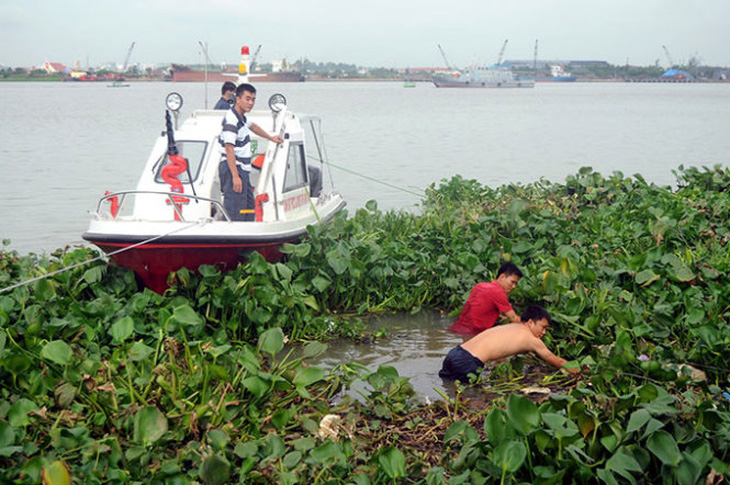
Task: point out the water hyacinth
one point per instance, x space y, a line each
120 385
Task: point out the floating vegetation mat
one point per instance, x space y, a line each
104 382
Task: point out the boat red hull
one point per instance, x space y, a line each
152 263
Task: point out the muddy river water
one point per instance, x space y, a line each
414 344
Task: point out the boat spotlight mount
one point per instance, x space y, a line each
174 101
277 102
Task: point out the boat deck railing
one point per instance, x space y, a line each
173 198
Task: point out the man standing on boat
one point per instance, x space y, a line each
235 149
228 96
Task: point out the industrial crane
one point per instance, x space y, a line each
255 56
501 52
126 61
443 54
669 57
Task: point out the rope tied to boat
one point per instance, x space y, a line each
422 193
325 159
103 256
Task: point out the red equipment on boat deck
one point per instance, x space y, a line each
169 174
114 202
258 162
259 210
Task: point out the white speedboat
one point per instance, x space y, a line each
175 217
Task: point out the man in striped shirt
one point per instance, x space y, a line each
235 149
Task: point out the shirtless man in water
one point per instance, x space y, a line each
500 342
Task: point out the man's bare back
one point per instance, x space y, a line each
513 338
499 342
505 340
502 341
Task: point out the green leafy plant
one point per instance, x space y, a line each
103 382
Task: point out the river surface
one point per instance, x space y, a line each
414 344
63 144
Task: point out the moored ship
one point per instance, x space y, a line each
481 77
181 73
558 75
280 73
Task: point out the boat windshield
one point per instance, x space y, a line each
193 152
296 168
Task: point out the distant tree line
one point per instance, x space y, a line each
337 70
21 74
340 70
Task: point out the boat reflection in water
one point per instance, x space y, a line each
175 217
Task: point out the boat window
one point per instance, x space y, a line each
296 168
193 152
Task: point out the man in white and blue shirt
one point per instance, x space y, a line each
235 149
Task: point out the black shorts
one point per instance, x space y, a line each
459 363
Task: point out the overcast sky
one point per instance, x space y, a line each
374 33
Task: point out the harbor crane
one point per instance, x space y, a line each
501 52
126 60
443 54
255 56
669 57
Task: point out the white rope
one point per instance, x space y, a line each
382 182
98 258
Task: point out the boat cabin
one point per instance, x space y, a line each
282 178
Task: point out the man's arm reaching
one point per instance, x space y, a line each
545 354
511 316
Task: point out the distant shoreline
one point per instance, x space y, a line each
336 80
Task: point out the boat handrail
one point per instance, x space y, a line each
170 197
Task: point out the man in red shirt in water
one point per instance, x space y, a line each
487 301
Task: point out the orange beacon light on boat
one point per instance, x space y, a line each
243 66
